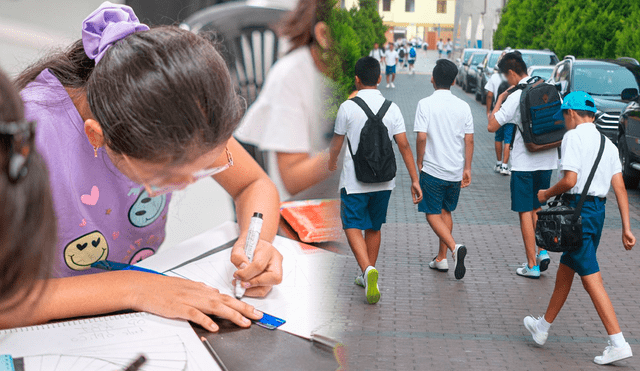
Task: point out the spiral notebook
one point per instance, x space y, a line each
107 344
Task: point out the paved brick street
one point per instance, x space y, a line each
428 320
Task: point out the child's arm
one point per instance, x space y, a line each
334 151
300 171
253 191
628 239
567 182
101 293
421 145
407 156
468 157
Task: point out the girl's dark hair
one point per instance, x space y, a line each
298 25
27 222
163 95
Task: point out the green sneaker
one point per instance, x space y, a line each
360 280
371 285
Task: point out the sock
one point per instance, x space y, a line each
543 325
505 164
498 163
617 340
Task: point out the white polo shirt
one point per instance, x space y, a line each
521 158
390 57
494 84
446 119
350 121
579 151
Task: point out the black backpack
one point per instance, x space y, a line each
539 102
401 53
374 161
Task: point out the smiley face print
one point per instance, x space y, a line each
80 253
146 209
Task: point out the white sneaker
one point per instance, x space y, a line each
359 280
371 285
543 259
393 85
497 168
388 86
532 325
612 354
525 271
458 261
441 265
504 169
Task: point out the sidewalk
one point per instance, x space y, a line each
429 320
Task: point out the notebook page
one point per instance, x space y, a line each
109 343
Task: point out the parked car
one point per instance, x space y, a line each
605 80
470 71
485 70
543 72
538 57
466 54
629 133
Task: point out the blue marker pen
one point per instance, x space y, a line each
253 236
115 266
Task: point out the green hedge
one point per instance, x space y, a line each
583 28
353 32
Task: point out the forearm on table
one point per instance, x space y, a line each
71 297
304 172
260 196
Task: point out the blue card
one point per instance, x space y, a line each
6 363
269 322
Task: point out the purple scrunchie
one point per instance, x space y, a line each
105 26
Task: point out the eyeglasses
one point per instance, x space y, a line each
20 137
155 191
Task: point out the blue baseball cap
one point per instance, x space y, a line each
577 100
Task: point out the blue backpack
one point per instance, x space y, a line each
412 53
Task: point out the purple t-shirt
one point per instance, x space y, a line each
101 213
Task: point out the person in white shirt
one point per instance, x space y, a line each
288 120
364 205
377 53
391 58
449 48
444 149
530 171
504 135
580 147
412 59
440 46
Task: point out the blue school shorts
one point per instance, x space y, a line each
505 133
364 210
583 261
438 194
391 70
524 189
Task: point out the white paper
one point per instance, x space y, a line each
109 343
301 297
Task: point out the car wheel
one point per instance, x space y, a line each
630 175
478 95
467 88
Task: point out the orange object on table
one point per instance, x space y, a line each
314 220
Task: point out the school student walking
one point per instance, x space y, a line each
530 171
412 59
444 149
581 147
391 58
440 46
369 122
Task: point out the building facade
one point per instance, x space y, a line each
427 20
476 21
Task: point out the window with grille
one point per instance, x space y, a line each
442 6
410 6
386 5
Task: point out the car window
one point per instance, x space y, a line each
493 59
605 80
543 73
466 56
536 59
477 58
